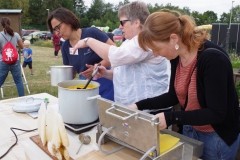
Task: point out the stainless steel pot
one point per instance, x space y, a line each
60 73
78 106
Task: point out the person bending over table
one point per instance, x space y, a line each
201 81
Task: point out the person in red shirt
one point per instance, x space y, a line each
56 44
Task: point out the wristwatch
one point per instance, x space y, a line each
85 40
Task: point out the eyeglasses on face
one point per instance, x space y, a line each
57 28
122 22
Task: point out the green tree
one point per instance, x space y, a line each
209 17
97 23
84 22
36 13
102 14
96 10
170 7
20 4
108 7
80 8
11 4
38 9
157 7
236 14
150 7
197 17
185 11
110 24
224 18
110 16
121 4
154 8
68 4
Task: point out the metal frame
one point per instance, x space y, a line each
113 118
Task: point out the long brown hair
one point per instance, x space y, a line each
5 22
160 25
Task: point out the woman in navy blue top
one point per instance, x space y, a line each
67 26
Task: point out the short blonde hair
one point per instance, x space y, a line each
26 42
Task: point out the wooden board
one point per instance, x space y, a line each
37 140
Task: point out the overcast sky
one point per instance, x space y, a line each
217 6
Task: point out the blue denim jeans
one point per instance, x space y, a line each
15 70
214 147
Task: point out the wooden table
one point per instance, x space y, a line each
28 150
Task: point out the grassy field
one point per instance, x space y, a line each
43 58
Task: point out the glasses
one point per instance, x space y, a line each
57 28
122 22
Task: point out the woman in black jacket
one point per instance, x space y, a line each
201 81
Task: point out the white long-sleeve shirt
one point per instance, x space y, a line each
137 74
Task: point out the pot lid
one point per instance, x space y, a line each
27 105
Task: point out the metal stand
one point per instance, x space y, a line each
10 84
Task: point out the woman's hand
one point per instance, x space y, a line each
102 71
162 121
87 73
134 106
80 44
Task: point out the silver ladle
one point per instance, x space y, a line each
85 139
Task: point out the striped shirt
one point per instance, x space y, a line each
181 85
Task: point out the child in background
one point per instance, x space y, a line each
27 54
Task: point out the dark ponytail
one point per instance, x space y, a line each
5 22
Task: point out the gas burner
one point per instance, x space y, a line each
80 128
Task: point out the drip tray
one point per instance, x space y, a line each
80 128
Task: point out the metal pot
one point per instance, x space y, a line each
78 106
60 73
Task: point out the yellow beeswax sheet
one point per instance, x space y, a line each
167 142
90 86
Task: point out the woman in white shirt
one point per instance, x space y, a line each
136 74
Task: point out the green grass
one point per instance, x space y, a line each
235 64
43 58
44 43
